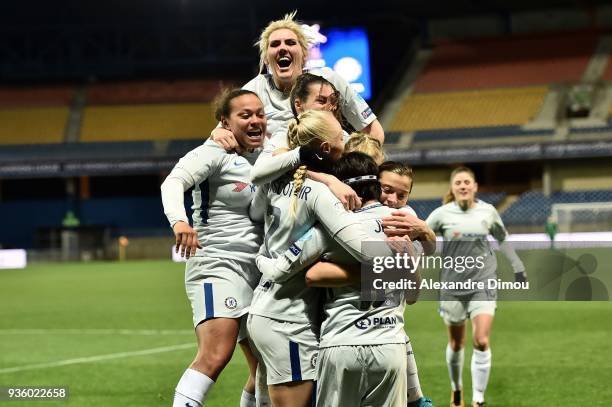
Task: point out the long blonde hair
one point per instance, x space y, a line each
364 143
311 127
289 23
449 196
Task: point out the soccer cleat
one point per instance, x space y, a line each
422 402
456 399
478 404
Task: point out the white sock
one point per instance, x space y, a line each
454 361
481 368
192 389
414 386
247 399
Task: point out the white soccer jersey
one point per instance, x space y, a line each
292 300
221 197
350 321
465 235
278 108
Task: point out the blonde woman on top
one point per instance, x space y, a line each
283 320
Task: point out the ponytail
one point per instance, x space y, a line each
448 197
298 181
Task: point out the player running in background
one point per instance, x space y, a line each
465 222
220 274
283 318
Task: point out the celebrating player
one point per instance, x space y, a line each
359 363
283 317
465 222
309 92
283 49
220 274
364 143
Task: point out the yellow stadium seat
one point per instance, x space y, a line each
33 125
148 122
478 108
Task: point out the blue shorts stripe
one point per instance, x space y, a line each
294 356
208 301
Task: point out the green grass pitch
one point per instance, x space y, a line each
119 334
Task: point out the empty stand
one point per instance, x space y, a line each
533 208
507 62
148 122
34 115
19 96
124 93
498 107
32 125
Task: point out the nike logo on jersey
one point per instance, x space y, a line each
239 186
239 163
319 157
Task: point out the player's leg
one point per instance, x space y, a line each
288 351
482 313
414 393
216 342
293 394
248 393
454 313
262 398
219 297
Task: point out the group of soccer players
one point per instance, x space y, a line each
281 189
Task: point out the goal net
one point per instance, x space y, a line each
583 217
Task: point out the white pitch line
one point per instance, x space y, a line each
143 332
91 359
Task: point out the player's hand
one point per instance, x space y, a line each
225 139
186 239
401 244
344 193
520 277
265 266
401 223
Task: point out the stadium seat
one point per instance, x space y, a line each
512 61
148 122
533 208
468 109
142 92
33 125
